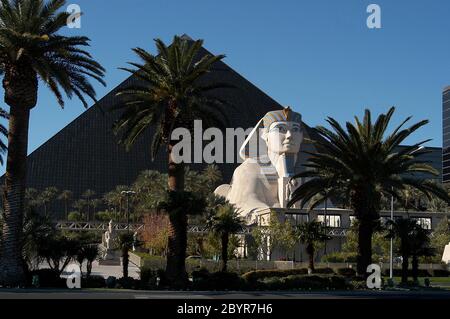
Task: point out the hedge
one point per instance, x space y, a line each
47 278
255 275
203 280
441 273
398 272
346 272
326 270
305 282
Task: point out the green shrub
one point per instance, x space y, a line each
305 282
253 276
104 216
163 280
93 282
326 270
398 273
148 278
127 283
74 217
441 273
359 284
48 278
111 282
200 274
339 257
346 272
218 281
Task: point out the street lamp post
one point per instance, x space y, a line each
391 252
128 193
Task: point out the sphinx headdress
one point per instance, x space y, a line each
254 146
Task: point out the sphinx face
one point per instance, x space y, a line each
284 138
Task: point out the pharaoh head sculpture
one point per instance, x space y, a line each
270 153
277 135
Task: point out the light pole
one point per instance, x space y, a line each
128 193
391 252
325 219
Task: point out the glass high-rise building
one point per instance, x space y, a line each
446 135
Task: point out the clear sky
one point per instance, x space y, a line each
317 56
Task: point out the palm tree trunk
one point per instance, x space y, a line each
11 264
225 239
88 268
415 268
364 257
125 262
177 237
405 262
310 251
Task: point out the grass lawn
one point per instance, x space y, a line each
435 281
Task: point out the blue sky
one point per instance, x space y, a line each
317 56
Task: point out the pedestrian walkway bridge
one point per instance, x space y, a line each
134 227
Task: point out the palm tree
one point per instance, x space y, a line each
31 198
92 253
3 133
170 95
66 196
212 176
310 233
125 243
361 163
116 198
47 196
224 221
409 233
80 205
420 245
95 203
32 49
87 195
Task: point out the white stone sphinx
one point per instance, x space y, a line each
446 254
269 153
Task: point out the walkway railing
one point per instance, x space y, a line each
97 226
134 227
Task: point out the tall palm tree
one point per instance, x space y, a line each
170 95
310 233
116 199
79 205
32 49
410 234
47 196
359 164
31 198
66 196
3 133
125 243
95 203
420 245
87 195
224 221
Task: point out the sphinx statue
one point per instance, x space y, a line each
270 153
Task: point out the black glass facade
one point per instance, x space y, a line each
446 135
85 155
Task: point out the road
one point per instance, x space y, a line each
141 294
